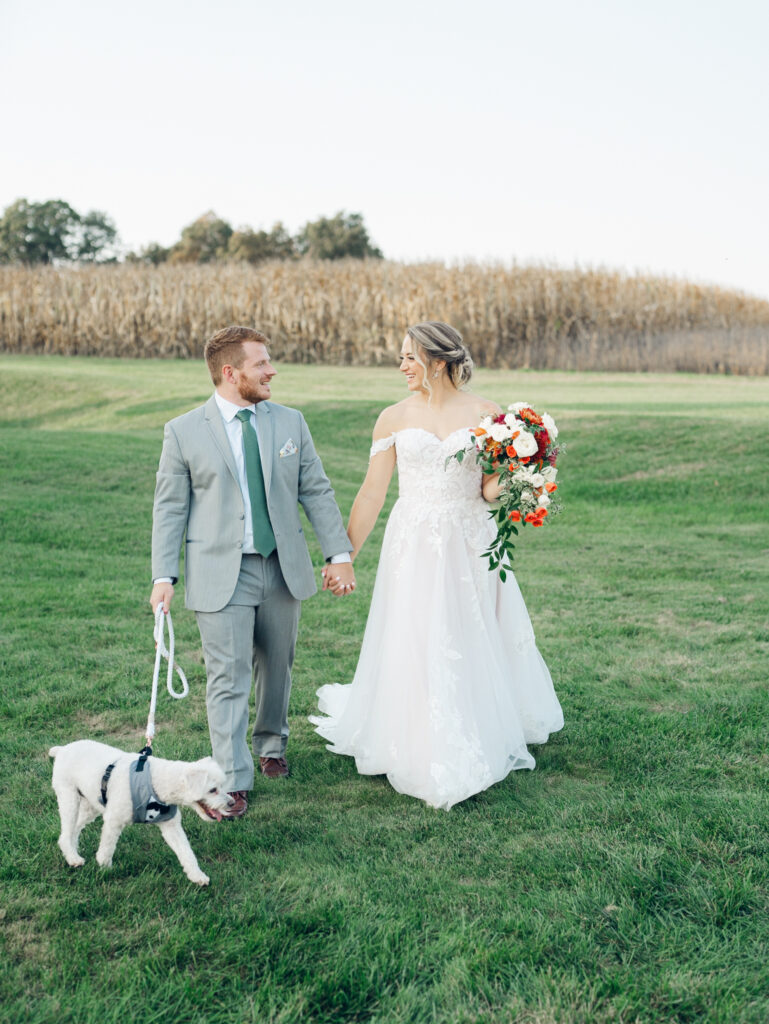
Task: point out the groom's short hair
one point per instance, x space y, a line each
226 346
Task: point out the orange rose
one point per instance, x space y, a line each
531 518
511 452
541 512
515 515
530 416
551 487
537 522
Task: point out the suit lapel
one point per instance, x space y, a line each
264 432
219 435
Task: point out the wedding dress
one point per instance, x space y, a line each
450 686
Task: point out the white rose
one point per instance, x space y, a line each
550 426
550 473
517 406
499 431
544 499
513 422
525 444
538 480
527 496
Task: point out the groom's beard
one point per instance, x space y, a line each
251 392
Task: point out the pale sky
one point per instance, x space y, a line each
628 134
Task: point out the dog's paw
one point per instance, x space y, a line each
71 856
103 861
198 877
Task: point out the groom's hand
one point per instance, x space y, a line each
162 593
339 578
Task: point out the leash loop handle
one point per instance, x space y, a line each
161 620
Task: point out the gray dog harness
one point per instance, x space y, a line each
147 807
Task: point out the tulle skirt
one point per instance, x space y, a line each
450 686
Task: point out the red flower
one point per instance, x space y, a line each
543 440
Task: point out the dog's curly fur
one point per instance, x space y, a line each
78 769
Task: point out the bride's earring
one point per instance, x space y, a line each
435 375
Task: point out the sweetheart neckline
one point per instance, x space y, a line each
430 433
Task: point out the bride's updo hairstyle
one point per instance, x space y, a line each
438 341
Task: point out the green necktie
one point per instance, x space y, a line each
264 538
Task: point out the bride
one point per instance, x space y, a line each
450 686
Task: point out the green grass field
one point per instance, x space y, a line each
625 880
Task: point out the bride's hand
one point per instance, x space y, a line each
339 578
491 487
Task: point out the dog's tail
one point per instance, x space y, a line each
54 751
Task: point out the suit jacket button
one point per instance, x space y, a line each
239 544
241 517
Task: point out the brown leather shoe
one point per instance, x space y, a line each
239 805
273 767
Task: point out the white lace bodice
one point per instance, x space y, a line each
427 483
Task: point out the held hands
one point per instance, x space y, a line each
339 578
162 593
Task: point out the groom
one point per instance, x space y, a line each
231 474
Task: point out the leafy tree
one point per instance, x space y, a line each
202 241
53 232
334 238
254 246
154 253
94 238
36 232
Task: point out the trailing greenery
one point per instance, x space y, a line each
625 880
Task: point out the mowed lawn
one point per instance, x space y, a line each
625 880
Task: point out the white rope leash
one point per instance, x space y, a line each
161 618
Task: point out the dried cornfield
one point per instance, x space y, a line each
355 312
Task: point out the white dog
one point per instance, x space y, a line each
86 787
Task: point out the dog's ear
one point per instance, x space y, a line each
196 782
203 776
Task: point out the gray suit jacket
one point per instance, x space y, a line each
198 492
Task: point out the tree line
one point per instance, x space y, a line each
53 232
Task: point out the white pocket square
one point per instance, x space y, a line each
289 448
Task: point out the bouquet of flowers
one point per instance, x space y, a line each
519 446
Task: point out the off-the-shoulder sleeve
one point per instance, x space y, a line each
381 446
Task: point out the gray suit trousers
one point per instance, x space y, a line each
251 641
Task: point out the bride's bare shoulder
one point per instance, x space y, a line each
487 407
391 420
